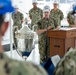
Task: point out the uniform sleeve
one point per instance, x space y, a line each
68 15
21 16
36 69
52 23
61 15
55 23
70 19
58 70
30 14
66 65
24 68
41 13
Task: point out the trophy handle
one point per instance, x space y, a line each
34 28
15 30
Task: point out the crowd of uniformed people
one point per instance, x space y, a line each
43 20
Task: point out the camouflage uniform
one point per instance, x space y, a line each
35 16
42 24
70 18
57 16
15 67
67 65
17 19
7 65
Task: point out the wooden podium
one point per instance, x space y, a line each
61 40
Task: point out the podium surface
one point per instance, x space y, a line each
61 40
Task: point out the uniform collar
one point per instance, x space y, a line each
55 11
46 18
35 9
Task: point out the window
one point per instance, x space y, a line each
47 0
67 1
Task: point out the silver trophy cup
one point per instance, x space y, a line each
24 40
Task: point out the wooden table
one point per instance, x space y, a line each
61 40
